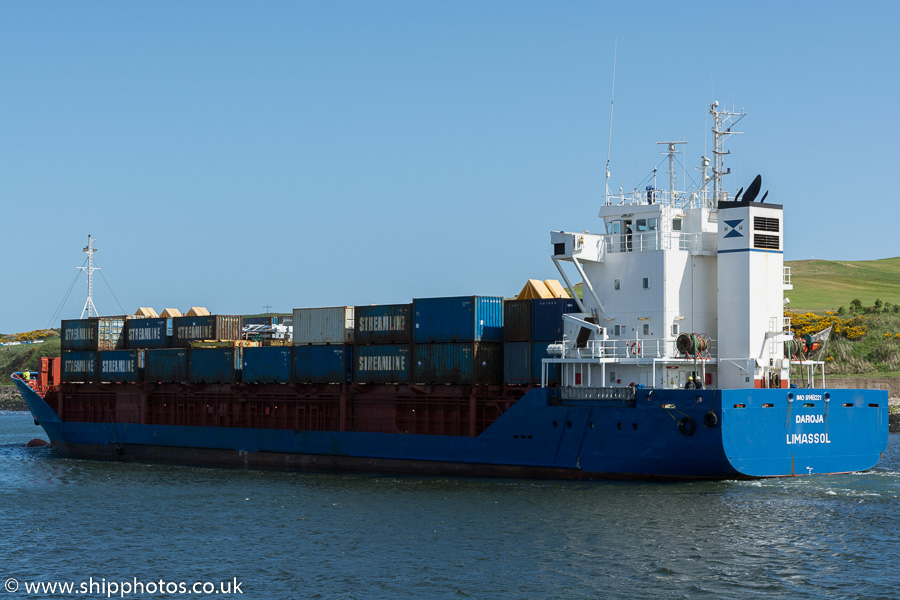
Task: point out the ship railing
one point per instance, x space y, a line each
680 199
640 348
655 240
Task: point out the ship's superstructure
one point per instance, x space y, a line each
679 287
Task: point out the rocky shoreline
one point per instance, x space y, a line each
10 399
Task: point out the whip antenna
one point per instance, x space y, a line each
611 103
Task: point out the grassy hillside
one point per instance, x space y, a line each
821 285
26 356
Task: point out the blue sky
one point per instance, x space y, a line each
235 155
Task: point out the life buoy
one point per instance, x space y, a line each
710 419
687 426
635 348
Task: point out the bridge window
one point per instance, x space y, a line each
641 225
676 224
646 329
617 284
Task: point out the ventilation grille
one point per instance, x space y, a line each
766 242
765 224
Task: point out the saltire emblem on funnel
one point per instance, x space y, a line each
731 228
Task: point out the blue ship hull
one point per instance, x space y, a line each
667 434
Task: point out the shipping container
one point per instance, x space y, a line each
383 363
260 321
166 366
517 365
95 333
145 333
538 354
78 366
269 364
546 318
517 320
458 319
204 327
469 363
320 326
323 364
120 366
214 365
383 324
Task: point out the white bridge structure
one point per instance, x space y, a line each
678 286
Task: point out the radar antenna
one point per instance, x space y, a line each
89 303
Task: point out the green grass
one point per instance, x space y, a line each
26 356
821 285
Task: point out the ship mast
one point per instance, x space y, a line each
723 122
89 303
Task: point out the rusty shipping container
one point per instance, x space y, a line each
458 363
383 363
120 366
206 327
517 320
323 325
165 366
95 333
383 324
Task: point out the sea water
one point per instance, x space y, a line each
138 531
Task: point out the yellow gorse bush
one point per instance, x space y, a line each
852 328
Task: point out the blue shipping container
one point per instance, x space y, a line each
78 366
546 318
323 364
458 319
214 365
383 324
95 333
539 353
471 363
382 363
145 333
517 364
267 364
166 366
120 366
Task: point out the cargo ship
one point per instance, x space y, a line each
676 362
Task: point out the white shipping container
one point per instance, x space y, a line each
331 325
